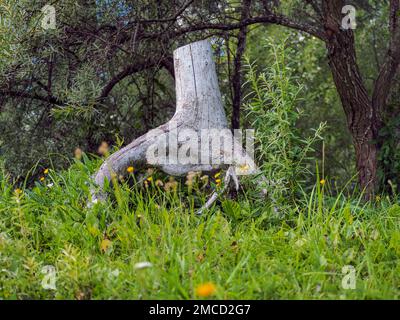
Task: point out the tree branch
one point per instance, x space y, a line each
171 19
316 7
134 68
26 95
271 18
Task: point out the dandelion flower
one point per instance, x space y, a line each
191 179
171 185
78 153
193 175
206 289
105 245
168 187
103 149
130 169
189 183
322 182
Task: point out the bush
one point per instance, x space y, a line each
285 156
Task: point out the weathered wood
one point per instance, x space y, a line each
198 107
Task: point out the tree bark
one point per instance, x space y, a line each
237 72
362 117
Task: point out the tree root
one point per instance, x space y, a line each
229 176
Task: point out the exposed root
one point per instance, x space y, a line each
230 175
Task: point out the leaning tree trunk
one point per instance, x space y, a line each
198 109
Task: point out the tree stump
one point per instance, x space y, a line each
199 109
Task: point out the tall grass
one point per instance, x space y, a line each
240 247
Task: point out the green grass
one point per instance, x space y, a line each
247 249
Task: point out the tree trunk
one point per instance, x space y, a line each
237 72
362 118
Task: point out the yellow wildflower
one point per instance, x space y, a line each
46 171
78 153
150 179
105 245
103 149
193 174
217 175
18 191
130 169
192 178
171 185
189 183
41 179
206 289
322 182
159 183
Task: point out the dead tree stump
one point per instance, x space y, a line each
199 110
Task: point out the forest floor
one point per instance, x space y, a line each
147 243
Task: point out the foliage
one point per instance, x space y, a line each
95 41
389 156
282 151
